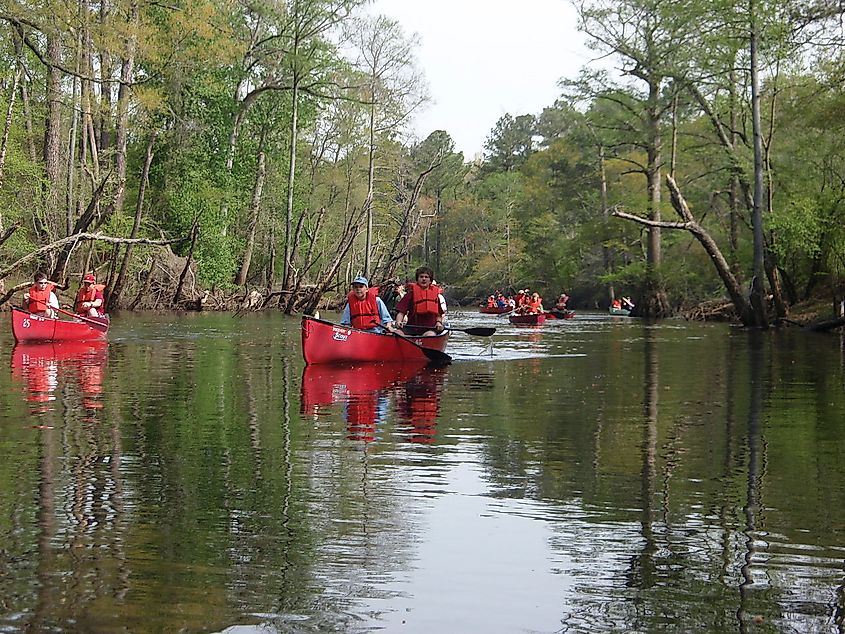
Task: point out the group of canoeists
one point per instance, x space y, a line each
41 299
419 312
524 302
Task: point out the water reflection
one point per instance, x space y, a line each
419 405
622 477
364 391
42 367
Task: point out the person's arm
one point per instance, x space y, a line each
384 315
402 310
52 305
346 316
440 326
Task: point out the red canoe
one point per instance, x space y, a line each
495 310
325 342
537 319
29 327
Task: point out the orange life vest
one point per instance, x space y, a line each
38 298
364 312
535 305
425 302
88 296
616 304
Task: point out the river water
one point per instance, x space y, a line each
595 474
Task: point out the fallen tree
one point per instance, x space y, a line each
741 303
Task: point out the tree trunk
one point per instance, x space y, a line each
117 289
127 75
607 256
653 302
7 126
368 202
195 231
757 288
254 210
27 111
52 127
288 264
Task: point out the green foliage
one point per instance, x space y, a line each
510 143
798 228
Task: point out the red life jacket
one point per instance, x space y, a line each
364 312
38 298
425 302
88 296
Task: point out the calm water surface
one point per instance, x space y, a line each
597 474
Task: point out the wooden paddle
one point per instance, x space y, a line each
475 332
99 325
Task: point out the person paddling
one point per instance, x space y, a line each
364 309
90 298
41 299
423 306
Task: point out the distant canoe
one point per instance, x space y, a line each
620 312
560 314
536 319
29 327
494 310
325 342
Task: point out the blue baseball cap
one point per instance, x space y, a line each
361 280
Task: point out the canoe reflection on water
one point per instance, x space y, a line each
366 392
418 405
43 366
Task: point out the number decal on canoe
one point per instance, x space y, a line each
25 323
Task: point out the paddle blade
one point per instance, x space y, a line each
435 356
478 332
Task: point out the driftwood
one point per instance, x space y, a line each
715 310
78 237
819 326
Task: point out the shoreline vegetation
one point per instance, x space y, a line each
197 159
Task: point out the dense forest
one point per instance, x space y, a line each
256 154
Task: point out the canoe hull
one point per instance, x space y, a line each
528 320
325 342
495 310
29 327
620 312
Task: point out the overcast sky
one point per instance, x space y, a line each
485 58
